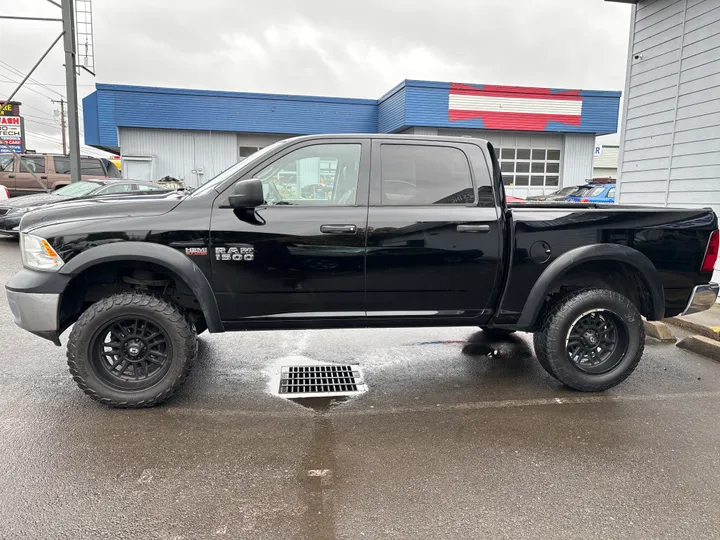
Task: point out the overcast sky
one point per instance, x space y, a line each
324 47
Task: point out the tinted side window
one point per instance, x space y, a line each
62 165
322 174
415 175
6 163
34 164
90 166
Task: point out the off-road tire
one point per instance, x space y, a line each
163 313
554 328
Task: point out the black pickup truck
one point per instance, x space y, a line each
406 231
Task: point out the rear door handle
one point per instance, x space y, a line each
338 229
473 228
11 176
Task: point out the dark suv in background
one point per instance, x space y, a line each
52 171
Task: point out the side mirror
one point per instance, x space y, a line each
247 194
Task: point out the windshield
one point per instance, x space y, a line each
229 173
78 189
595 192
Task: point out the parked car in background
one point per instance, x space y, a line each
561 194
52 171
12 210
594 193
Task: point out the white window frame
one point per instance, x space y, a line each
545 174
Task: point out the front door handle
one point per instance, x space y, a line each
43 177
338 229
11 176
473 228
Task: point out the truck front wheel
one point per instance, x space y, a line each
131 350
591 340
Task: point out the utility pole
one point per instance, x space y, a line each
68 17
61 101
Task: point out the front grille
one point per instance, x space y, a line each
321 380
4 211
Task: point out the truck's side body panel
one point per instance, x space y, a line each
674 240
463 261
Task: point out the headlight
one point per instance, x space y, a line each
19 210
37 253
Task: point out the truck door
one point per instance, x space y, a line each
300 257
433 232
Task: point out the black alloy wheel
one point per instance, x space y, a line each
590 339
132 349
596 342
131 353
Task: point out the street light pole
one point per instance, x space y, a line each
68 16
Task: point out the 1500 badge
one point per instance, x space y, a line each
241 253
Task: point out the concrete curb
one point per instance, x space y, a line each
659 331
712 332
702 345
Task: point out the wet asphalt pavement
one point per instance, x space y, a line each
447 443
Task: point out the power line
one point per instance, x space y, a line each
50 84
47 115
45 118
49 138
40 123
8 80
30 79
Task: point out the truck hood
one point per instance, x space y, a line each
102 208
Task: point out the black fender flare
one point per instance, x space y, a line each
584 254
160 255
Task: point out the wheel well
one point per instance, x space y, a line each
104 279
614 275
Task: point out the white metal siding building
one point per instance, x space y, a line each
605 164
670 135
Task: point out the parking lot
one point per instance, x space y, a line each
450 441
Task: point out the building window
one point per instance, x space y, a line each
530 167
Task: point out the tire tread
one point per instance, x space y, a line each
165 309
547 340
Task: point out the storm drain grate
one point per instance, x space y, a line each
324 380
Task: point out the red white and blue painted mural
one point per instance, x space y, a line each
514 108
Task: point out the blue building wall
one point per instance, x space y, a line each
411 103
391 110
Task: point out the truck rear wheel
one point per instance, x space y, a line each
131 350
591 340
